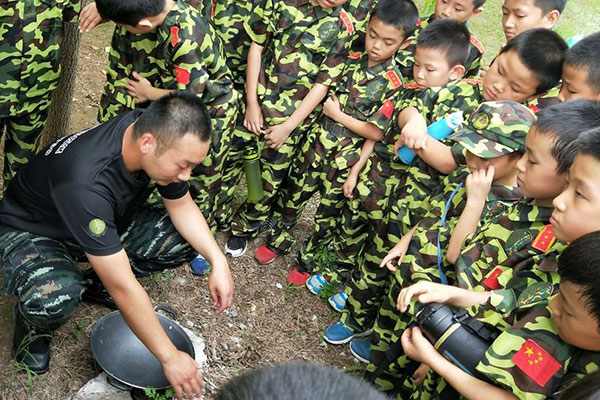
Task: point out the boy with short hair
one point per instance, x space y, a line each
581 71
360 108
521 15
307 47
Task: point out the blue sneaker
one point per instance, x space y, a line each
315 283
339 333
338 301
200 266
361 350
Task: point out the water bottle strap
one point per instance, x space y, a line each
443 277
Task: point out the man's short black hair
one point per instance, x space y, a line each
543 52
588 143
585 55
129 12
449 37
297 381
564 123
401 14
579 264
172 117
550 5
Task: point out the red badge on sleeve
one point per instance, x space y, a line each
419 22
491 282
356 55
535 109
544 240
536 363
182 75
387 109
347 23
394 79
174 35
475 42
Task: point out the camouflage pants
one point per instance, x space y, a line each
23 134
43 273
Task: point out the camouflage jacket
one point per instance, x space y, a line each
532 361
361 11
546 100
406 57
184 53
31 33
304 45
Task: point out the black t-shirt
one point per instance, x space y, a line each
78 189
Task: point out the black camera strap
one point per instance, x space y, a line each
479 328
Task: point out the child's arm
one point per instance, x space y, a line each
142 90
478 186
417 347
277 134
430 292
331 108
352 178
398 251
253 120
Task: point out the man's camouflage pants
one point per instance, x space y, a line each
43 273
23 133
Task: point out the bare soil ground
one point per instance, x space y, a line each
272 322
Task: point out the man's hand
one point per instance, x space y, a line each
220 284
424 292
414 133
350 185
417 347
331 108
140 88
276 135
478 184
253 120
420 374
89 18
397 252
183 374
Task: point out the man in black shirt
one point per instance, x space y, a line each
84 195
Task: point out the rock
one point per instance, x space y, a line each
230 325
314 318
189 323
278 286
182 280
99 389
225 346
231 313
199 347
243 327
235 339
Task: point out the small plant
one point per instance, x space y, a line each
328 290
162 277
21 366
166 394
77 331
325 258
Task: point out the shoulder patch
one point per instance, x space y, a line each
174 35
491 282
411 85
472 81
534 108
475 42
182 75
535 293
544 240
394 79
97 227
536 363
347 22
387 109
419 22
356 55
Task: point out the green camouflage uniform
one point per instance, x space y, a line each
184 53
360 10
406 57
31 33
303 45
365 93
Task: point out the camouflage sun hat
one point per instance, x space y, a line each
496 128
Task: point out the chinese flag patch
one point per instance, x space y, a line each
536 363
394 79
491 282
535 109
347 23
182 75
419 22
356 55
544 240
174 35
387 109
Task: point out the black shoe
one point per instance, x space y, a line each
95 292
30 347
236 246
269 224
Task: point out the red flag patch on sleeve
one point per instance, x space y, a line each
544 240
174 35
182 75
355 55
347 23
419 22
475 42
387 109
491 282
411 85
394 79
536 363
535 109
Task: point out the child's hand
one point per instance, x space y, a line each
89 18
420 374
349 186
398 144
331 108
253 120
414 133
417 347
482 71
424 292
139 88
478 184
397 252
276 135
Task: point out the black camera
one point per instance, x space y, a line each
455 334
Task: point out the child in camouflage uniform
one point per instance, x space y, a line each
31 33
457 10
581 70
361 108
555 343
519 16
163 46
305 46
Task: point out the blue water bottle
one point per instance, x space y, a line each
438 130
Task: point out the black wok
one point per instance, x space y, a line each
125 358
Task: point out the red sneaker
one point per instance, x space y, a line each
297 278
264 255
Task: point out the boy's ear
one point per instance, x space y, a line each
407 42
145 23
457 72
535 96
476 11
551 18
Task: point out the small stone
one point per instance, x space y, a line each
342 353
182 280
323 344
231 313
278 286
189 323
225 346
253 308
235 339
314 318
243 327
230 325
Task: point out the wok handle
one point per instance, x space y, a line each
167 310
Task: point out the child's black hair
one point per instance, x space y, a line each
579 264
565 123
543 52
550 5
478 3
585 55
588 142
401 14
129 12
587 388
449 37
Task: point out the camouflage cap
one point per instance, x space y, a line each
496 128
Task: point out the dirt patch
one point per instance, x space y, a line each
270 321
